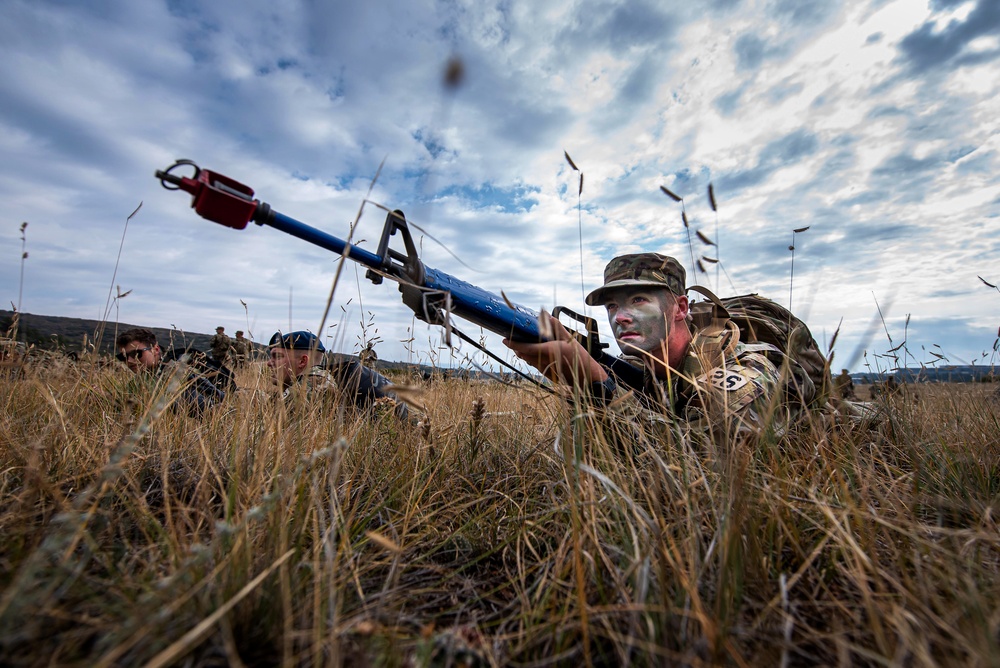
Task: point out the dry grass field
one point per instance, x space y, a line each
501 530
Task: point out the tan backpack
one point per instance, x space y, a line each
721 323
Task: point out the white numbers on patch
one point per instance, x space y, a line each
725 379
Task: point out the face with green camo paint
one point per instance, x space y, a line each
639 318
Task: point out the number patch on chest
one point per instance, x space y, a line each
725 379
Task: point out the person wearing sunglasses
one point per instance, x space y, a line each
207 384
138 349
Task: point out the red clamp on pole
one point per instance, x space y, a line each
215 196
223 200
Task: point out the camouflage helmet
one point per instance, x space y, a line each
643 269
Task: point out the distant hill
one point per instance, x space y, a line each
50 332
951 373
70 334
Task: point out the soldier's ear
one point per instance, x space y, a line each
683 306
302 360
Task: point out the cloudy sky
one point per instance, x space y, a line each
872 122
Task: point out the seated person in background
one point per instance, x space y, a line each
207 383
297 362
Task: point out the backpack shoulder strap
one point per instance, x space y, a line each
715 334
701 289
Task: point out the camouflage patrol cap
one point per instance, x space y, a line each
642 269
297 341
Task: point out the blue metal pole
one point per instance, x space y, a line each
289 225
468 301
485 308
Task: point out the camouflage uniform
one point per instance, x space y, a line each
312 385
734 396
345 383
723 386
368 356
220 345
241 347
844 385
361 386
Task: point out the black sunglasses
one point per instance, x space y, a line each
133 354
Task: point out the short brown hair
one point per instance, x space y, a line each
140 334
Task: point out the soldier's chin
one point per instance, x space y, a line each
630 348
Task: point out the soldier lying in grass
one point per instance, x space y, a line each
297 362
206 385
711 379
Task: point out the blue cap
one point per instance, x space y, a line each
297 341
